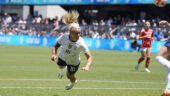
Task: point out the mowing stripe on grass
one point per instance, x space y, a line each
82 88
99 81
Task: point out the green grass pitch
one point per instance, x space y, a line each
28 71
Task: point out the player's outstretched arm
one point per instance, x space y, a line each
54 51
166 23
89 61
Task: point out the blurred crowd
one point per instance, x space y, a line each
113 28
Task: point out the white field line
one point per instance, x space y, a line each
97 81
82 88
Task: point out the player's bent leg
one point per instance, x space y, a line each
137 66
143 55
62 65
147 64
168 54
167 89
71 71
61 71
71 77
164 62
149 50
166 92
70 85
73 81
162 57
139 61
163 51
147 61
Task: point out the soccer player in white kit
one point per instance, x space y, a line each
163 57
71 46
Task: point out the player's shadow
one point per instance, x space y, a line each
137 71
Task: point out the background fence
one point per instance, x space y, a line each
102 44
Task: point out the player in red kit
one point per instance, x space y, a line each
146 35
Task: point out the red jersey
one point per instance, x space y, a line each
146 42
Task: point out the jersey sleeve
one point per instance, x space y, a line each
84 47
60 39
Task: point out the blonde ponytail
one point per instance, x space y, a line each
70 19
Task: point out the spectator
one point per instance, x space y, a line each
135 45
132 35
124 37
56 24
109 21
118 27
8 19
94 33
102 23
158 34
83 22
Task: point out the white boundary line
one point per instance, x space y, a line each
82 88
97 81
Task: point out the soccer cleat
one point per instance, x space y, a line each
70 85
137 66
147 70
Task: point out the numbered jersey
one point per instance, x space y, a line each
70 51
146 42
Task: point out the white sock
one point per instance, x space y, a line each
167 80
62 70
74 82
163 61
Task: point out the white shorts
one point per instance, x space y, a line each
145 48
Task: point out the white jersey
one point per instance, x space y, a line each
70 51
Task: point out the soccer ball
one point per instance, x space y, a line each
160 3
